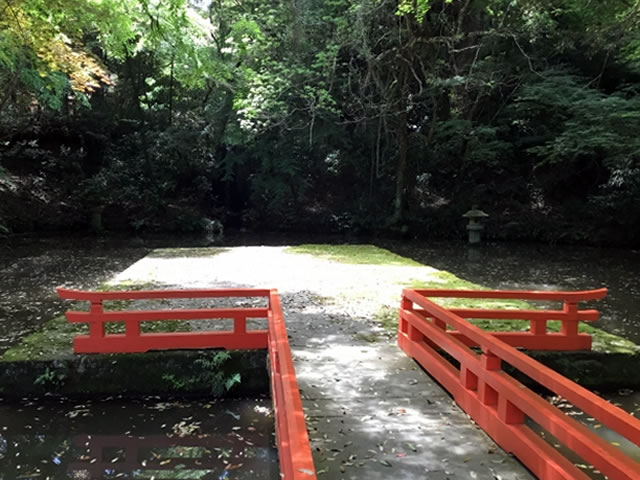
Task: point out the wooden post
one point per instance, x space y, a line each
96 326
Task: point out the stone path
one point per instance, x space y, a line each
372 413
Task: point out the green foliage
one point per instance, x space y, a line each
214 374
591 124
45 377
349 116
417 8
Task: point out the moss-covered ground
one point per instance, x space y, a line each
602 341
354 254
186 252
55 338
388 316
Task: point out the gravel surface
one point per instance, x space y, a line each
372 413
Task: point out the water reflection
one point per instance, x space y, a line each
138 439
627 400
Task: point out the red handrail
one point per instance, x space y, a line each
571 297
499 404
70 294
134 340
296 462
537 337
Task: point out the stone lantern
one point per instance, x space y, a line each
475 226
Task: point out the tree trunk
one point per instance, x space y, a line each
171 81
400 197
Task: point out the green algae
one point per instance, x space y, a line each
53 340
187 252
354 254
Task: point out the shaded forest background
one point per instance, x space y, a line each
353 116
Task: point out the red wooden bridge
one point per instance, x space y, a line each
500 404
433 336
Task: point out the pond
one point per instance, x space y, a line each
142 439
67 439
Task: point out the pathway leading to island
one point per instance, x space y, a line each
372 413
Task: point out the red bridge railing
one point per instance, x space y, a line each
499 403
294 452
538 337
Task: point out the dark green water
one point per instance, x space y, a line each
148 438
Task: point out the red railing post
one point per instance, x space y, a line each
468 378
240 325
489 362
508 412
403 325
569 327
96 325
538 327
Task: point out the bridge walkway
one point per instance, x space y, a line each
373 413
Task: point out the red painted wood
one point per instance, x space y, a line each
123 343
296 461
512 314
498 403
529 341
177 314
516 294
616 419
536 338
69 294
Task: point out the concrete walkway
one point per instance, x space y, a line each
372 413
